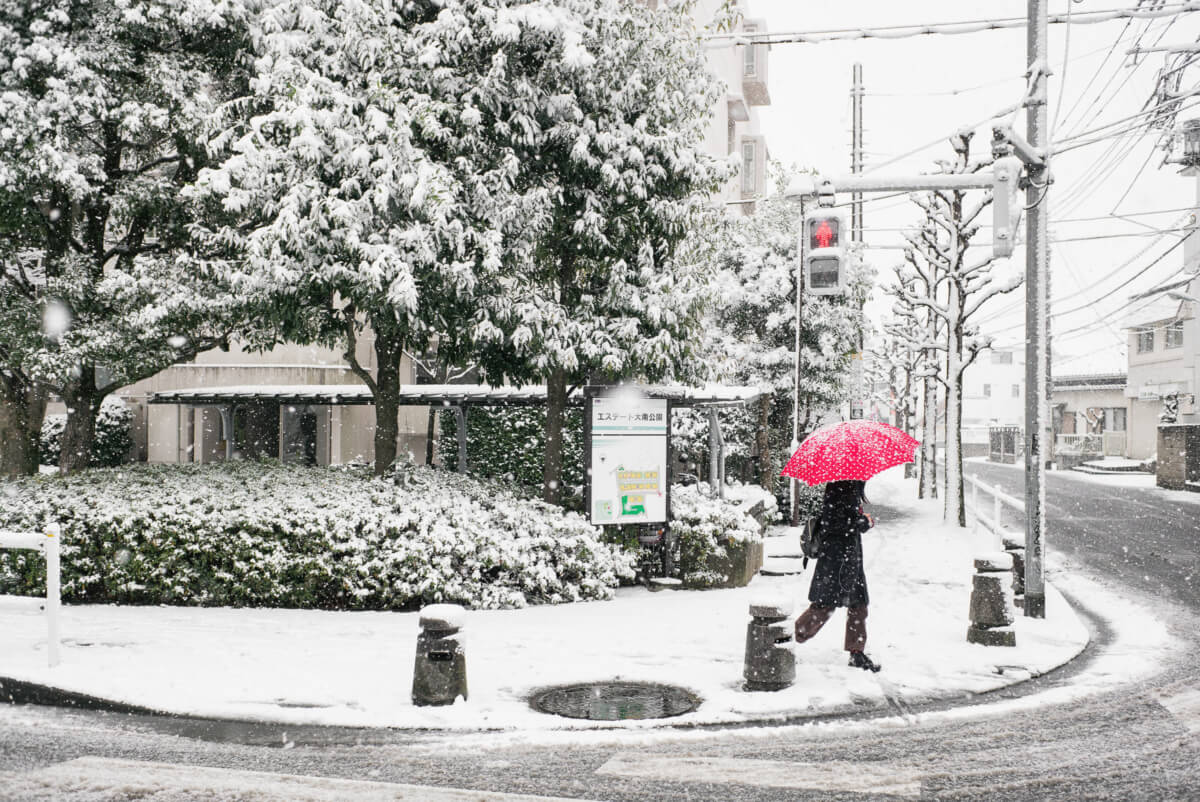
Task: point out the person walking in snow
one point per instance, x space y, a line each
839 579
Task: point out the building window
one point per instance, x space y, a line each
1016 391
987 391
750 56
1175 334
1145 341
1114 419
749 168
1002 357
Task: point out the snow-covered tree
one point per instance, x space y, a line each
617 149
381 191
100 106
952 288
751 329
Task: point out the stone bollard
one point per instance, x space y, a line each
1015 545
440 671
991 617
770 664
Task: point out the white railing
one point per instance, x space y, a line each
1080 443
999 499
48 544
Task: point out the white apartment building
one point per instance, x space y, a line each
735 127
993 394
303 403
1163 365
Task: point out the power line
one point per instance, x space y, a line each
1097 282
1057 315
945 28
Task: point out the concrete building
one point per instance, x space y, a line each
735 128
299 402
1162 371
993 394
1091 415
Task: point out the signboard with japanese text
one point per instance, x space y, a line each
628 438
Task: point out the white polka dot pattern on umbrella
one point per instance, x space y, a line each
856 449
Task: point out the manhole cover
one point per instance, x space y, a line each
616 701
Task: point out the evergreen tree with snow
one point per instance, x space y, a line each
751 330
617 150
100 108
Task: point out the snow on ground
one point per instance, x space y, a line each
355 668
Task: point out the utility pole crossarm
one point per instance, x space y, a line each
805 186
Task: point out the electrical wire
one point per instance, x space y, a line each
947 28
1064 313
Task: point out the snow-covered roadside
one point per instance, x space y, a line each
1145 481
355 669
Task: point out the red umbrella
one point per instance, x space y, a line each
856 449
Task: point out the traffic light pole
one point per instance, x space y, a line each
794 513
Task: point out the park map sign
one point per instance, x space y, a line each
628 476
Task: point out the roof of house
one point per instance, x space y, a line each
1092 381
446 394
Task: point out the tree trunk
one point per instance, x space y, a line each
82 398
766 476
22 408
955 509
556 405
430 433
906 406
928 484
387 401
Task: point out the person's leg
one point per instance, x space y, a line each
856 628
810 622
856 638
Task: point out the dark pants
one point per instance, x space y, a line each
811 620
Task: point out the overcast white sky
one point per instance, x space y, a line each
922 89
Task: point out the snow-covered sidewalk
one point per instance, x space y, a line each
355 669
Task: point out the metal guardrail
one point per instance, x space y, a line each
999 499
48 544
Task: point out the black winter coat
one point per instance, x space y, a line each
839 579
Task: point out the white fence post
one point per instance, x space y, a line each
48 543
996 507
53 592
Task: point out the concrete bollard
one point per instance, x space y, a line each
990 614
1015 545
440 671
770 665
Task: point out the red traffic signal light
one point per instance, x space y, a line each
823 232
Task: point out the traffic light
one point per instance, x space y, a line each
1006 204
824 259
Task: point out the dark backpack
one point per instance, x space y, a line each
811 540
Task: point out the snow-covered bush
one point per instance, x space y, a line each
266 534
114 435
706 526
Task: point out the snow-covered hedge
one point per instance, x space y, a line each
706 526
509 444
114 435
265 534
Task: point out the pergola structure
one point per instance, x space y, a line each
459 397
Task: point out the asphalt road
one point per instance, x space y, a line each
1137 741
1143 538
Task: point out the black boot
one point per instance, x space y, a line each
860 660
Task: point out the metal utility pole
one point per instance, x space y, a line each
1037 334
856 154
